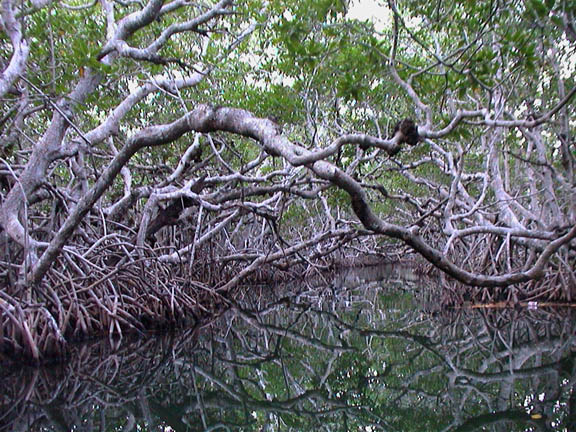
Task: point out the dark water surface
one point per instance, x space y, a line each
363 352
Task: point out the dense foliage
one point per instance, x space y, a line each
174 145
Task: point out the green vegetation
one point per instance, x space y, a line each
154 155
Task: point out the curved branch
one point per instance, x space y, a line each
488 121
205 119
21 48
150 52
132 23
391 146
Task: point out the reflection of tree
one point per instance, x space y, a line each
367 357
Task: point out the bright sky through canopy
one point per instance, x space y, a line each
372 10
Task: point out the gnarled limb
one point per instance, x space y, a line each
17 64
209 119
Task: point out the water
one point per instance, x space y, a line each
363 352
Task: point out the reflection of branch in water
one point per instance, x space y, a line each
93 376
528 346
495 377
316 343
305 368
502 417
291 405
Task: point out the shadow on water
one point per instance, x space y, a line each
358 352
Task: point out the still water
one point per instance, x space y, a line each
365 351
